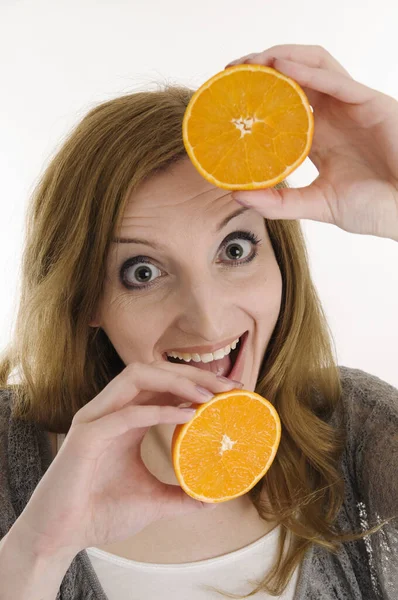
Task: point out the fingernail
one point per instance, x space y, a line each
203 391
187 412
231 382
237 383
184 405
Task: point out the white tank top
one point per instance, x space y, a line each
236 572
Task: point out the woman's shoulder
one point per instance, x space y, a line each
5 396
371 420
5 409
357 379
363 392
369 407
7 514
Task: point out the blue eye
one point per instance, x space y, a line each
142 272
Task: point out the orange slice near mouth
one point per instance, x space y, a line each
227 447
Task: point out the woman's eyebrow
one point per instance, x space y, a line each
224 222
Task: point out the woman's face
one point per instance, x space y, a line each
191 284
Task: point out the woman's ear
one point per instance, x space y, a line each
95 317
94 322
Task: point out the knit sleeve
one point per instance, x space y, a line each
7 513
373 437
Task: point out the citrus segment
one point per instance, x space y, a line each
248 127
227 447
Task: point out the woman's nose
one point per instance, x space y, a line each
204 310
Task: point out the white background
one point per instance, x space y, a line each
59 59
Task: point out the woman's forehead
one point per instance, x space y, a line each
180 194
176 199
176 187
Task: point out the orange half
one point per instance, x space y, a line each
227 447
248 127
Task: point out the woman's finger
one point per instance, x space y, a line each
311 56
332 82
288 203
242 59
315 70
335 84
180 381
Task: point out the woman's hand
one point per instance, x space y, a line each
354 148
97 489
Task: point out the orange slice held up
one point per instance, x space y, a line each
248 127
228 445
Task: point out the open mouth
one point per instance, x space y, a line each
237 360
234 356
235 353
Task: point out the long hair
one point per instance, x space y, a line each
63 363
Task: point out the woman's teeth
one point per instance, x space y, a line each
205 357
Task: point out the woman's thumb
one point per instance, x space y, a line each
286 203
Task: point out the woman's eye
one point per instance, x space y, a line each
139 272
236 244
234 250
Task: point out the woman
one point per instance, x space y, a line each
127 259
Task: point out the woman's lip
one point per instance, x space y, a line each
164 354
237 370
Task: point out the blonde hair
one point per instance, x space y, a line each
63 363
